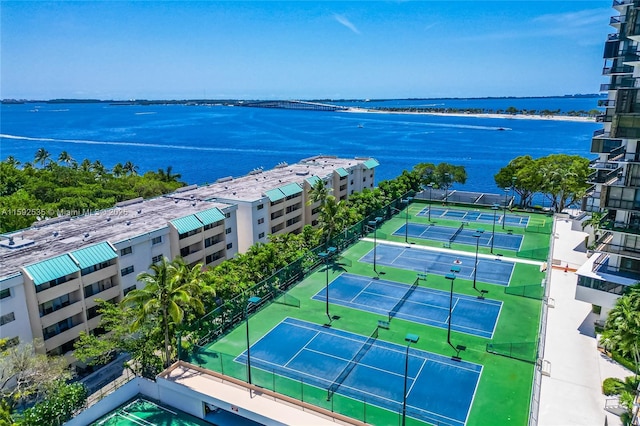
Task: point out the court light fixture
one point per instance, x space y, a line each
254 300
409 338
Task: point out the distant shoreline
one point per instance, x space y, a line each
481 115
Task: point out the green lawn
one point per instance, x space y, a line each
504 389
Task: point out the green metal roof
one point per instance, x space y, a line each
50 269
210 216
186 224
342 172
274 195
290 189
312 180
94 255
371 163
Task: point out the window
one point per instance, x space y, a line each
126 271
229 246
261 221
5 293
227 215
188 234
4 319
156 259
260 206
125 251
261 235
227 231
156 240
54 305
128 289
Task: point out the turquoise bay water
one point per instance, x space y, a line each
204 143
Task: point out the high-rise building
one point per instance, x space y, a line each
615 177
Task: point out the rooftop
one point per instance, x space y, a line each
253 186
129 219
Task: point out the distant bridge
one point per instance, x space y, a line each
311 106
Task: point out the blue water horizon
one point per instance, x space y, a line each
207 142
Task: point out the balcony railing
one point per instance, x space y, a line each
606 102
600 132
617 20
620 69
603 175
628 228
622 3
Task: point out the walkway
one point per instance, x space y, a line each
572 394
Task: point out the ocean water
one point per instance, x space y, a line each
205 143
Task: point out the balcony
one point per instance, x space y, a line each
62 338
625 84
106 294
606 102
57 291
621 4
627 228
617 21
604 175
619 69
101 274
62 313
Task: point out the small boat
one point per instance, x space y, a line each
360 125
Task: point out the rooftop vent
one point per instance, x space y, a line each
109 219
128 222
86 234
139 211
55 234
176 201
193 204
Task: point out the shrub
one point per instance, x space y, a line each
612 386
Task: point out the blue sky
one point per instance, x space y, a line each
302 49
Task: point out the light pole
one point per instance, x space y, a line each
477 236
446 187
252 300
513 188
430 186
409 338
504 209
451 277
374 223
326 255
495 208
406 220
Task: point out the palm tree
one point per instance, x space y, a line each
42 156
65 158
130 168
622 327
11 160
319 192
595 221
334 217
166 295
168 176
118 170
85 166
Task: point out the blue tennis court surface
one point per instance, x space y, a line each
492 271
465 236
439 390
425 306
476 216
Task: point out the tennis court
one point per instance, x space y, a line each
439 390
476 216
491 271
417 304
460 235
142 412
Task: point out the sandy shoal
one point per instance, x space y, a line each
502 116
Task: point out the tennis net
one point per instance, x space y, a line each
351 364
394 311
455 234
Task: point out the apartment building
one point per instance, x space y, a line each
272 202
51 273
615 176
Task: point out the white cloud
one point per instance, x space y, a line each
344 21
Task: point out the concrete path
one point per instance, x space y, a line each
572 394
